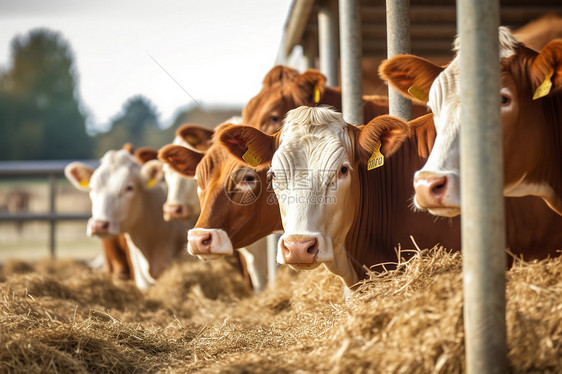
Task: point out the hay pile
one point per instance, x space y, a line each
60 316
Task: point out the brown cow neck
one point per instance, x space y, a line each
156 238
552 165
385 218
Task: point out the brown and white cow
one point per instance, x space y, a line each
335 212
285 89
237 208
127 199
531 112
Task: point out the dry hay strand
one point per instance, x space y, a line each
200 318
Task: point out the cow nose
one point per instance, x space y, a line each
100 227
201 244
430 190
299 250
175 211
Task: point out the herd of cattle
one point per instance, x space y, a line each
344 196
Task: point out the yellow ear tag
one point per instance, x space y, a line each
151 183
316 94
251 158
84 183
545 86
192 139
417 92
377 159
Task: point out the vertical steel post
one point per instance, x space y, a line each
309 52
483 227
328 40
52 220
350 58
398 42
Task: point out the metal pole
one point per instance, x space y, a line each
272 241
350 50
328 40
483 227
398 42
52 220
309 52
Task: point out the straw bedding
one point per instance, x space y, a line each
60 316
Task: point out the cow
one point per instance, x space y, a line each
127 198
237 209
182 202
285 89
334 211
531 105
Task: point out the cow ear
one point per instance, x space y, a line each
546 70
309 87
384 134
128 147
79 175
423 130
181 159
412 76
151 173
278 74
145 154
196 136
249 144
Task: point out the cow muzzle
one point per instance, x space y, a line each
209 244
304 251
437 193
177 212
102 228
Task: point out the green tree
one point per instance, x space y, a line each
137 124
40 116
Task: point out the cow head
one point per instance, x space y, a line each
182 203
237 208
116 188
315 162
437 184
283 89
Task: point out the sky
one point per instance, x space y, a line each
171 51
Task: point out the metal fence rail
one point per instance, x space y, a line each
50 170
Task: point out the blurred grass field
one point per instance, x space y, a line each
30 240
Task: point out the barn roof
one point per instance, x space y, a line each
432 22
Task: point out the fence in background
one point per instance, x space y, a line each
49 170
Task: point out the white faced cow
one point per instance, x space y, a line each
336 212
531 112
127 198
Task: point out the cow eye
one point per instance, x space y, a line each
249 178
274 119
343 171
129 187
505 100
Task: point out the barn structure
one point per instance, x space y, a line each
347 39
